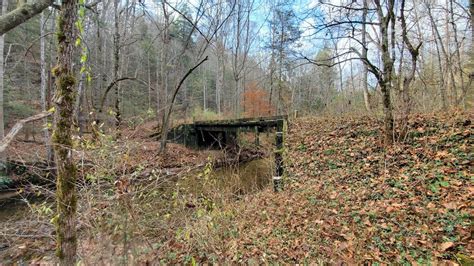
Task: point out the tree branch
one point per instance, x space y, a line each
18 126
113 83
22 14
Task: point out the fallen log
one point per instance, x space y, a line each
18 126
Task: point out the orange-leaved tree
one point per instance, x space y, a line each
255 101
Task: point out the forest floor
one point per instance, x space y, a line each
346 200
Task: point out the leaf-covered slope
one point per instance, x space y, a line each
348 199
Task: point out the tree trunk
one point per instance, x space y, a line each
471 54
169 110
272 73
2 122
442 89
164 68
365 71
449 81
117 66
385 78
62 135
461 99
220 76
43 92
149 82
414 52
78 104
204 91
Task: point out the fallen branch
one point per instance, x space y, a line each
18 126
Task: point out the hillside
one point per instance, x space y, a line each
348 200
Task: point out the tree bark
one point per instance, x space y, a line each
26 11
385 79
62 135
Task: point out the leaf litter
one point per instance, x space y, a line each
347 199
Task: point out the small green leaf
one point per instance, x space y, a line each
444 183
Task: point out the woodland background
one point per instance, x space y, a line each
265 58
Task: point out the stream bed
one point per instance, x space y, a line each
245 178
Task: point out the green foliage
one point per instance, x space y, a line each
43 209
437 182
5 182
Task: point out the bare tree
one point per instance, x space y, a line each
240 47
385 24
209 35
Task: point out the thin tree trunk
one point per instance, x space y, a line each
272 73
471 53
414 52
204 91
43 92
2 122
449 82
149 83
458 58
117 66
62 135
168 112
78 105
385 79
164 71
50 86
442 89
220 76
449 60
365 71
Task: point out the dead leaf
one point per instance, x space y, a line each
450 205
445 246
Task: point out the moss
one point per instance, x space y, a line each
56 71
60 32
66 81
